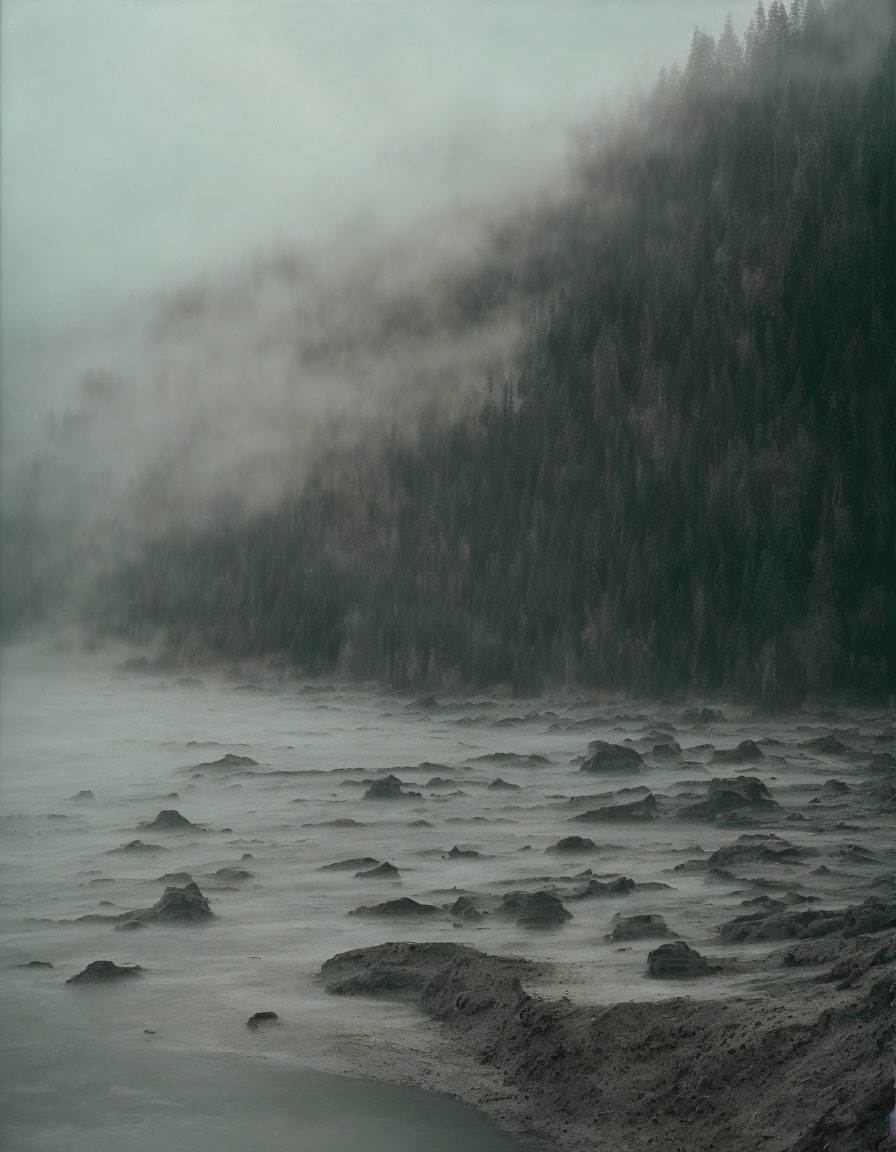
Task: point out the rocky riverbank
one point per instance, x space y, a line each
805 1063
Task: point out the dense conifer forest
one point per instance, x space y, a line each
687 483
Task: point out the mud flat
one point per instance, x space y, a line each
804 1065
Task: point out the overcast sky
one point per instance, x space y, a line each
144 142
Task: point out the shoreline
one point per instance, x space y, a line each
805 1065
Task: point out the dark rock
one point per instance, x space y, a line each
645 809
746 750
535 909
262 1018
619 887
611 758
84 794
229 760
396 970
184 905
667 750
639 927
389 788
129 925
885 764
102 971
462 854
138 846
441 782
750 787
573 844
836 787
676 961
463 908
170 820
404 906
347 865
759 848
233 874
384 871
721 801
176 879
872 916
36 964
503 785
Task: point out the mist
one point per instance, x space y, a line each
196 202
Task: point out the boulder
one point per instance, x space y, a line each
607 757
347 865
262 1018
645 809
403 906
676 961
641 927
170 820
573 844
836 787
536 909
231 875
389 788
746 750
500 785
385 871
463 908
138 846
463 854
84 794
103 972
184 905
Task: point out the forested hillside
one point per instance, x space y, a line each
689 481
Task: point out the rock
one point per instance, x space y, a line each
759 848
746 750
872 916
389 788
384 871
103 971
262 1018
645 809
397 970
441 782
620 887
129 925
535 909
347 865
404 906
85 794
751 788
463 908
573 844
176 905
676 961
641 927
170 820
36 964
503 785
231 875
138 846
176 879
462 854
836 787
701 716
229 760
722 801
607 757
885 764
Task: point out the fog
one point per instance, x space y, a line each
198 200
91 751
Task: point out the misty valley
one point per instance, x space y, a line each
448 582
